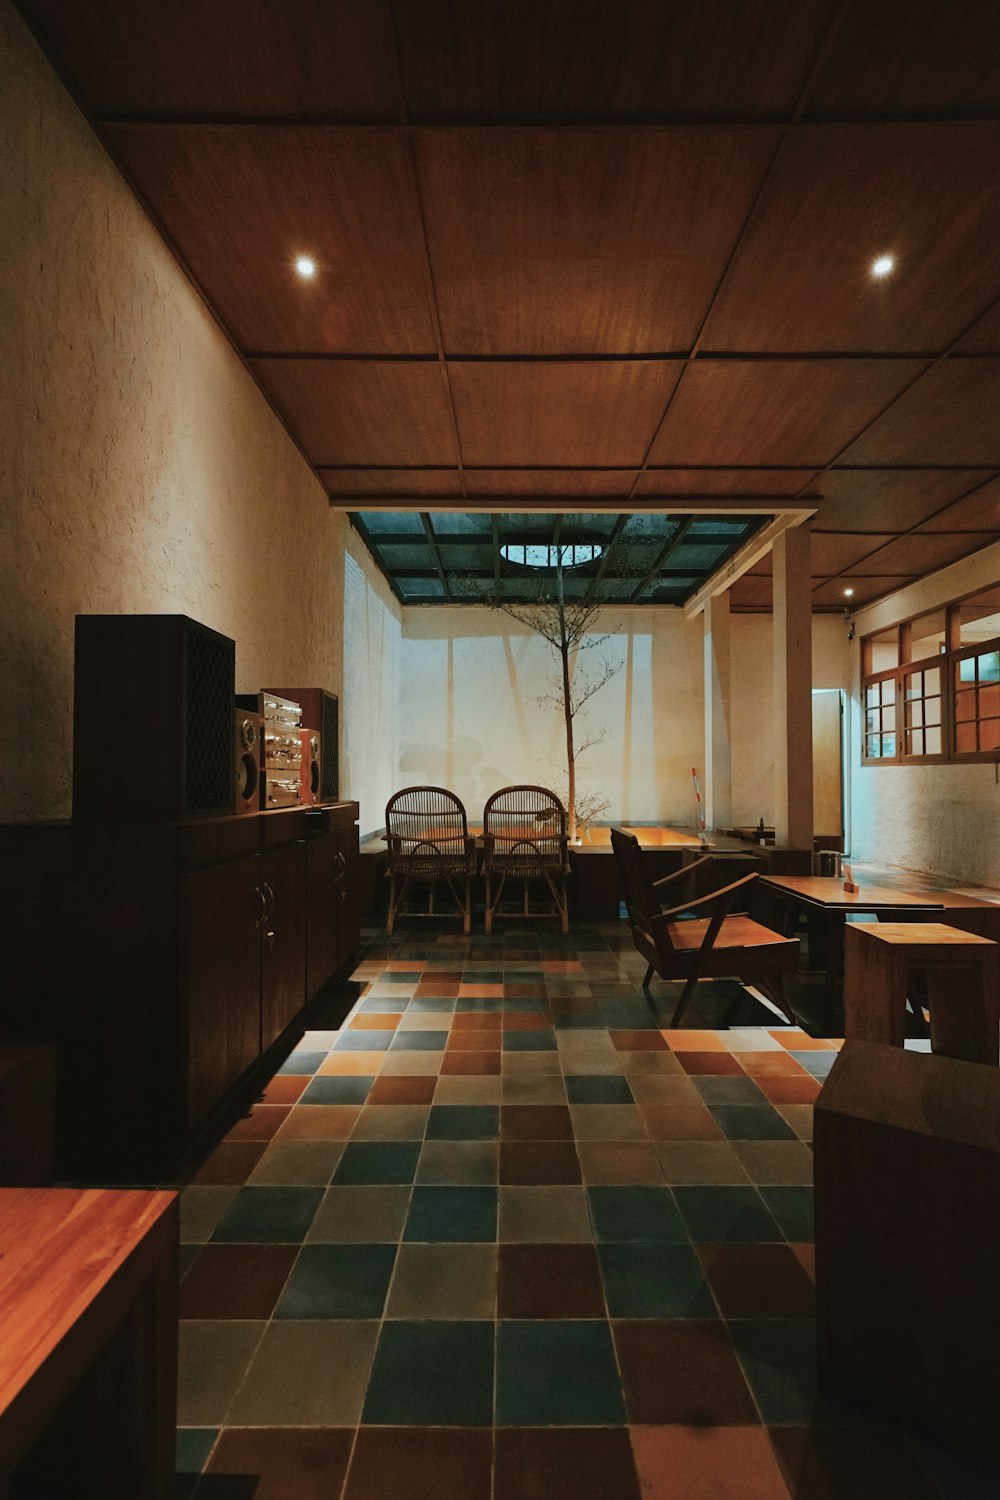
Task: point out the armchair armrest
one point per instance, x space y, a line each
715 898
683 872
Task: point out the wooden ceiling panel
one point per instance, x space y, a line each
886 60
535 235
406 483
979 511
587 483
985 337
751 592
770 412
839 197
727 482
949 417
541 415
241 203
830 595
237 59
365 412
889 499
832 552
538 60
924 552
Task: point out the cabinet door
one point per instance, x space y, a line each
220 980
349 926
324 869
283 939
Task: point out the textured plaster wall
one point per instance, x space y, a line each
470 683
944 819
140 468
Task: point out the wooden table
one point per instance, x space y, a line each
823 897
88 1312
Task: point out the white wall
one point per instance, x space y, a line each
939 818
471 678
141 470
372 660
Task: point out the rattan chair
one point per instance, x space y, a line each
698 939
428 839
524 838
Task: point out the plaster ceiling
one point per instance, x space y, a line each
577 256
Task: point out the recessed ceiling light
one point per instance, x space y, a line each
305 267
883 266
848 593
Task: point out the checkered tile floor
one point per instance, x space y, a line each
501 1235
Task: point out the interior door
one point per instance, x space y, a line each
828 763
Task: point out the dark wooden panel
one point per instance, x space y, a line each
912 57
949 417
751 592
889 499
925 552
832 552
582 242
283 940
977 512
241 203
566 413
362 411
587 60
831 594
365 482
229 58
837 198
727 482
774 411
985 336
586 483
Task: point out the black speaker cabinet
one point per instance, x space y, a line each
247 752
311 766
152 719
321 709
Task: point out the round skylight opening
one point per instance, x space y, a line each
545 555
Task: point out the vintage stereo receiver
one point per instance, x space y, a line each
281 756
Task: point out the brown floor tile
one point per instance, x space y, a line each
638 1041
392 1122
757 1281
608 1122
305 1374
535 1122
375 1021
549 1281
694 1041
682 1372
201 1210
707 1463
586 1463
474 1041
469 1088
544 1215
405 966
360 1215
213 1356
354 1064
297 1163
480 991
662 1063
230 1162
259 1124
236 1281
799 1117
620 1164
402 1090
785 1089
681 1122
710 1062
704 1163
282 1463
458 1163
476 1022
771 1065
411 1064
849 1464
421 1463
806 1257
284 1088
663 1088
444 1281
437 989
776 1163
540 1064
518 990
514 1020
471 1062
537 1163
319 1122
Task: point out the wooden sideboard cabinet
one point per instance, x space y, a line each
162 961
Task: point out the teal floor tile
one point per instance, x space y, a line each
529 1041
752 1122
369 1162
636 1214
363 1041
598 1088
779 1360
269 1215
452 1215
716 1214
724 1090
793 1209
654 1281
338 1281
194 1444
463 1122
557 1374
419 1041
330 1089
302 1062
432 1374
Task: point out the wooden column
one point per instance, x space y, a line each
718 749
793 771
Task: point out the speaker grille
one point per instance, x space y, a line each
210 670
329 790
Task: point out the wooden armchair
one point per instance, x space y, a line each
524 836
698 939
428 839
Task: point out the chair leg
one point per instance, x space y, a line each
489 906
775 987
649 975
391 914
467 909
686 994
564 905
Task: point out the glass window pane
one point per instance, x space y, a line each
932 738
989 667
874 746
965 737
889 690
932 680
932 711
888 745
884 649
989 734
928 635
965 704
872 693
965 670
872 720
979 618
914 742
889 717
914 684
915 712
